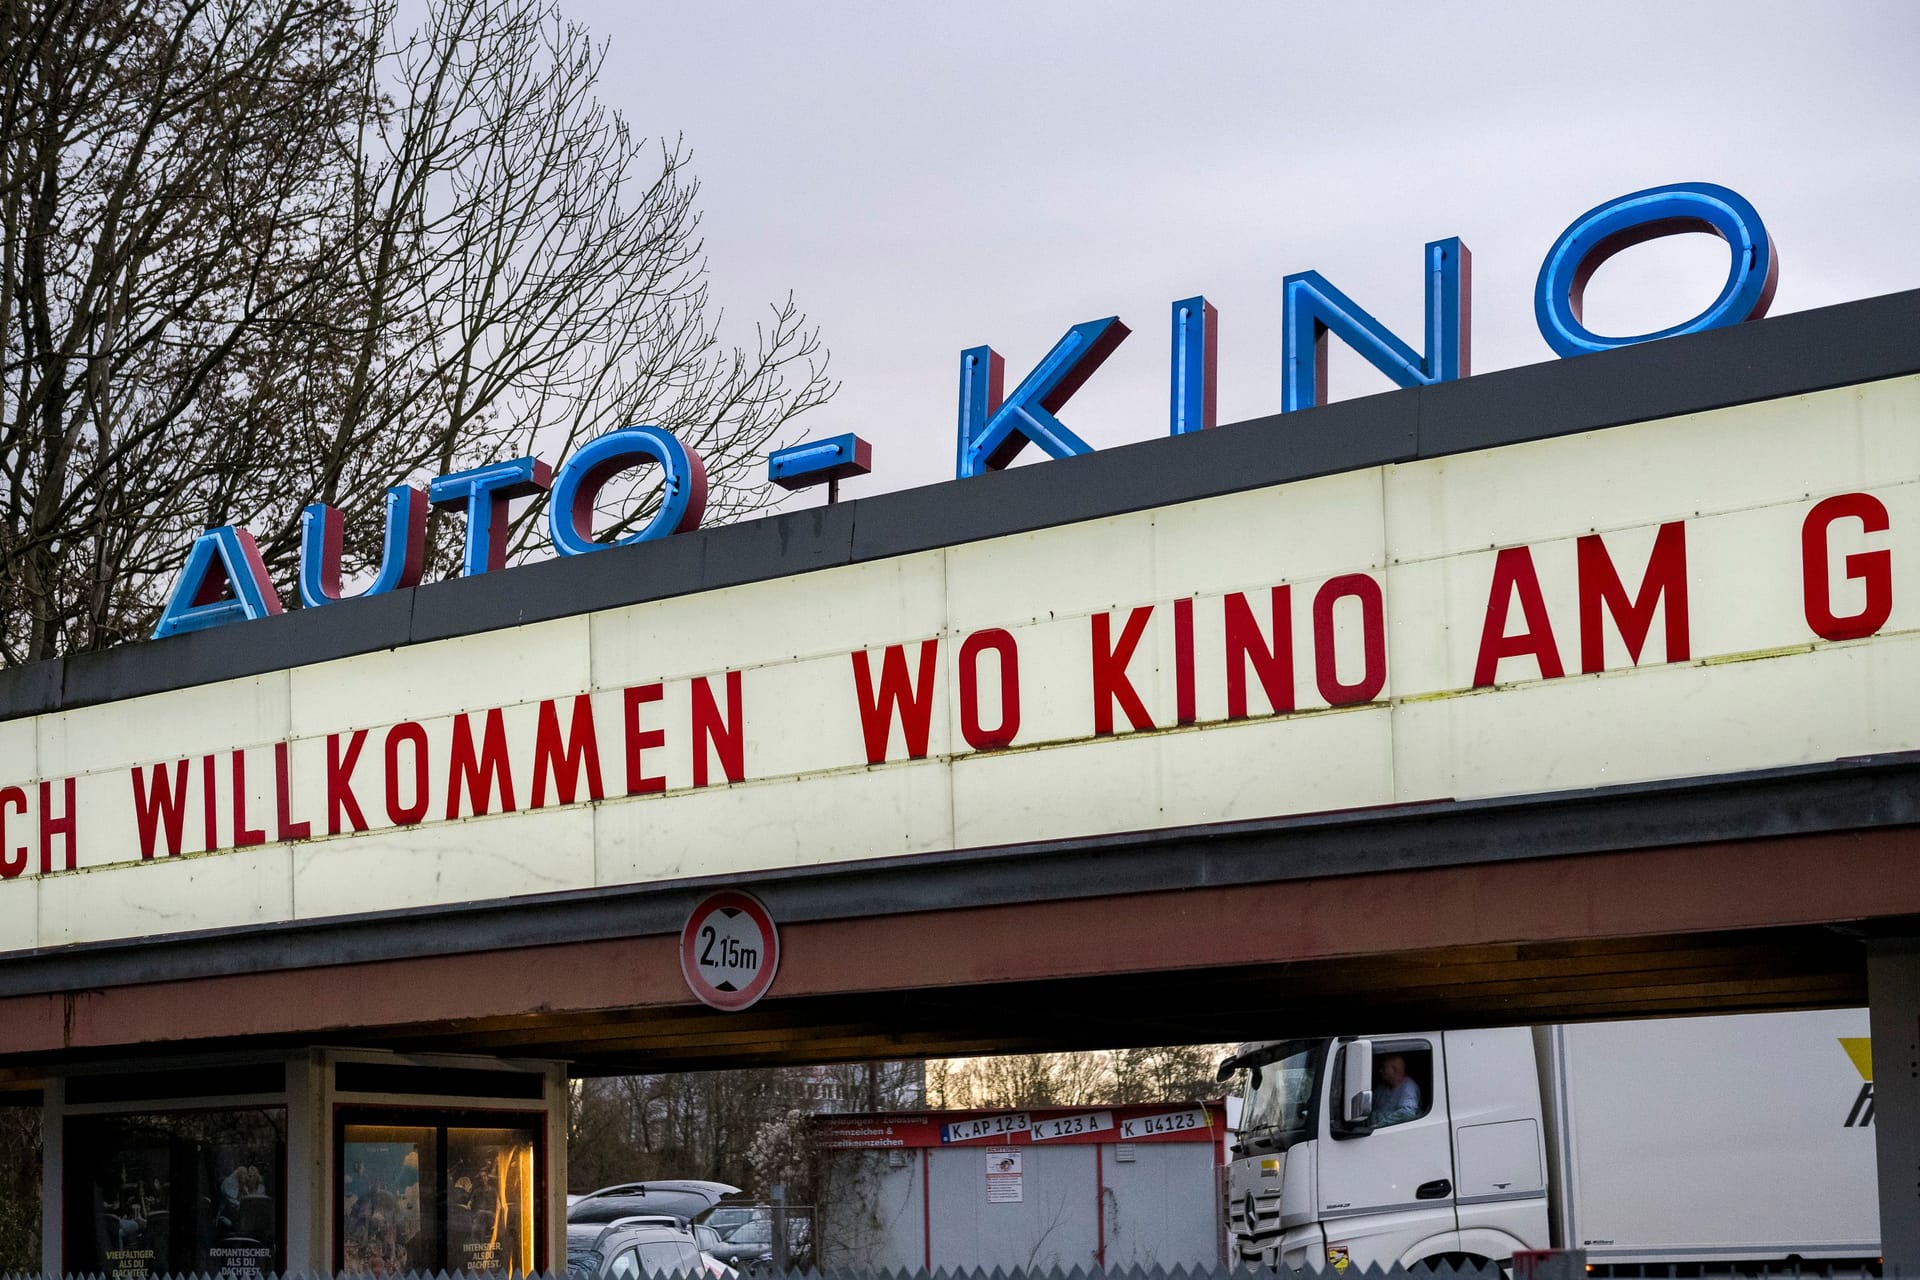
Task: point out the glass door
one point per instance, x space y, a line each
433 1190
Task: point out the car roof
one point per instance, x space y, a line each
700 1185
610 1204
609 1236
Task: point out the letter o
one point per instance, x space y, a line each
411 733
577 488
1002 643
1599 233
1373 639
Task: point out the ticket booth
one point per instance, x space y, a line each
314 1161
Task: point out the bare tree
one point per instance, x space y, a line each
1170 1073
19 1188
1020 1080
733 1126
258 255
166 228
534 278
1178 1073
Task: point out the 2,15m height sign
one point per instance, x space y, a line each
1727 591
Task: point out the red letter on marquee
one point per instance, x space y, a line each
1873 568
1272 663
726 736
51 826
165 800
408 814
286 827
1002 643
1373 640
1600 586
897 698
1185 704
1110 683
244 836
12 861
477 776
209 808
564 760
1513 572
340 797
638 740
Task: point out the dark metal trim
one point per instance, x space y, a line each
1855 342
1850 795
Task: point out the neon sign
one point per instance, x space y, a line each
224 579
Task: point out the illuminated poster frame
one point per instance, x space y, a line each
436 1183
148 1227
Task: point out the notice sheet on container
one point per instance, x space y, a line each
1003 1176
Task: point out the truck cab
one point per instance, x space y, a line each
1376 1151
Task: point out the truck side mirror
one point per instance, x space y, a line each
1227 1066
1356 1086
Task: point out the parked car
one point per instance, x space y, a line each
682 1198
728 1218
709 1240
749 1246
632 1250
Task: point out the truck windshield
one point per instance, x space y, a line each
1278 1111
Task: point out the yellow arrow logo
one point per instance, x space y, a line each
1860 1050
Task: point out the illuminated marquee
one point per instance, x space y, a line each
1559 613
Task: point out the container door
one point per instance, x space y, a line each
1390 1191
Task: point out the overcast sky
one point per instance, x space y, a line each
927 178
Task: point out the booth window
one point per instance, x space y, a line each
432 1190
176 1192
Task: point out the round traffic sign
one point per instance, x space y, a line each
729 950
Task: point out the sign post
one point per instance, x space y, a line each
729 950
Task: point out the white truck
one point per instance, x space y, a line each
1679 1141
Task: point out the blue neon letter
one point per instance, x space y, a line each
683 495
484 492
801 466
402 550
222 560
1312 308
992 433
1599 233
1196 351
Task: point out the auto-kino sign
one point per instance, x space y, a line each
1720 592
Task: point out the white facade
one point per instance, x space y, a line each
763 682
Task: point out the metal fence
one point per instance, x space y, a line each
1562 1266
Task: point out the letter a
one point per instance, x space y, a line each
224 581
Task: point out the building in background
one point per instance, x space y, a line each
1087 1187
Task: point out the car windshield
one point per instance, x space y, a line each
1279 1106
756 1231
583 1264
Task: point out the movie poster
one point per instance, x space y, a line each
383 1168
490 1200
132 1185
240 1179
184 1191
